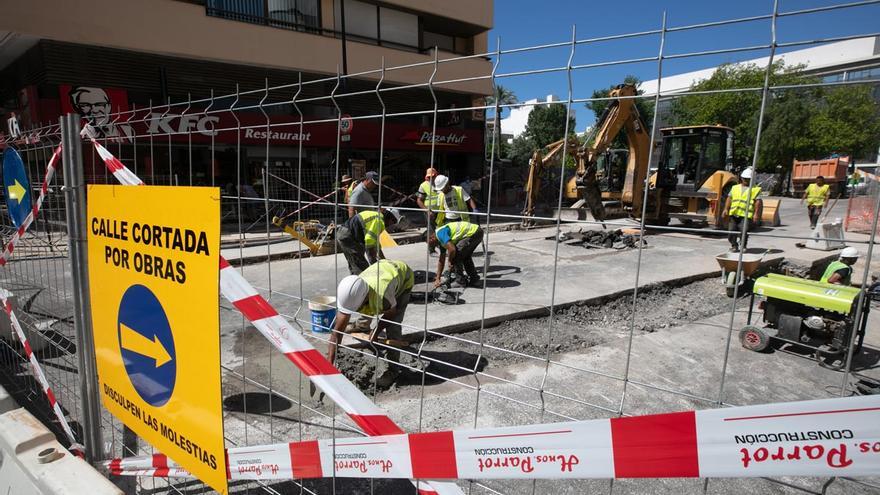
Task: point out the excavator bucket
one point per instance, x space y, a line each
770 213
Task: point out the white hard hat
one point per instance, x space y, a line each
849 252
395 213
440 182
351 294
747 173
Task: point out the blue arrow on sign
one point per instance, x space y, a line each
147 345
16 187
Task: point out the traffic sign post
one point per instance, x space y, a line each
154 277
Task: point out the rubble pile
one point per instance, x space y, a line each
601 239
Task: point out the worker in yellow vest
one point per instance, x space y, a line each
457 241
839 272
381 291
454 202
359 236
816 196
429 199
740 207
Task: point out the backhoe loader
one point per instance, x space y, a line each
690 182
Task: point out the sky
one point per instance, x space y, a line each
524 23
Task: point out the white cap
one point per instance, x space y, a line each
440 182
351 294
849 252
746 174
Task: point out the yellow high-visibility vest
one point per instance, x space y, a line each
460 206
816 194
460 230
740 199
432 197
378 276
373 227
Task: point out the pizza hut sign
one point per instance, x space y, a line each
425 138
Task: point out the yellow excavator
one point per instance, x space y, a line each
690 183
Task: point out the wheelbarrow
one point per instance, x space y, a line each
728 262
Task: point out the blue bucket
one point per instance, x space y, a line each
323 310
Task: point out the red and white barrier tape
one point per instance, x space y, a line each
44 189
829 437
290 342
75 447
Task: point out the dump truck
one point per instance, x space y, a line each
804 172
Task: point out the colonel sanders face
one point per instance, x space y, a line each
92 103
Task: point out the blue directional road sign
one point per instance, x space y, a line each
16 186
147 345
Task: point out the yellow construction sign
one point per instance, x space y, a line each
154 276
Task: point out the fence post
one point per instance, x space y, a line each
75 200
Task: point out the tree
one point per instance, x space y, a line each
503 96
848 121
546 124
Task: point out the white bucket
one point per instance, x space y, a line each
323 310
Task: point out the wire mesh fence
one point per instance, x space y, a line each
551 332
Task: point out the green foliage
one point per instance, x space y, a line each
521 150
802 123
505 97
546 124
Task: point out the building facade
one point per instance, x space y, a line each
179 87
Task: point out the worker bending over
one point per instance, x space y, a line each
839 272
457 241
816 195
383 291
358 237
740 207
453 202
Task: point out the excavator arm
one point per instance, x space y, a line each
621 114
541 160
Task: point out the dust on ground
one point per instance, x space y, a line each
574 328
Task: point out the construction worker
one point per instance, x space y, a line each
359 235
427 198
361 197
457 241
453 202
839 272
383 291
740 207
816 195
348 184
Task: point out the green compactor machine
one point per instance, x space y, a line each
807 313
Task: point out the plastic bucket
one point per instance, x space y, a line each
323 310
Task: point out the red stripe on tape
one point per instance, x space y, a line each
113 164
27 349
433 455
305 457
312 363
115 466
255 308
376 425
224 263
160 461
51 396
161 472
226 455
660 445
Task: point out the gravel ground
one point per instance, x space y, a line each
577 327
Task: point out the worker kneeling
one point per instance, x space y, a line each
457 241
839 272
359 236
383 291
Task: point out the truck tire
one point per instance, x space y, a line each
754 338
